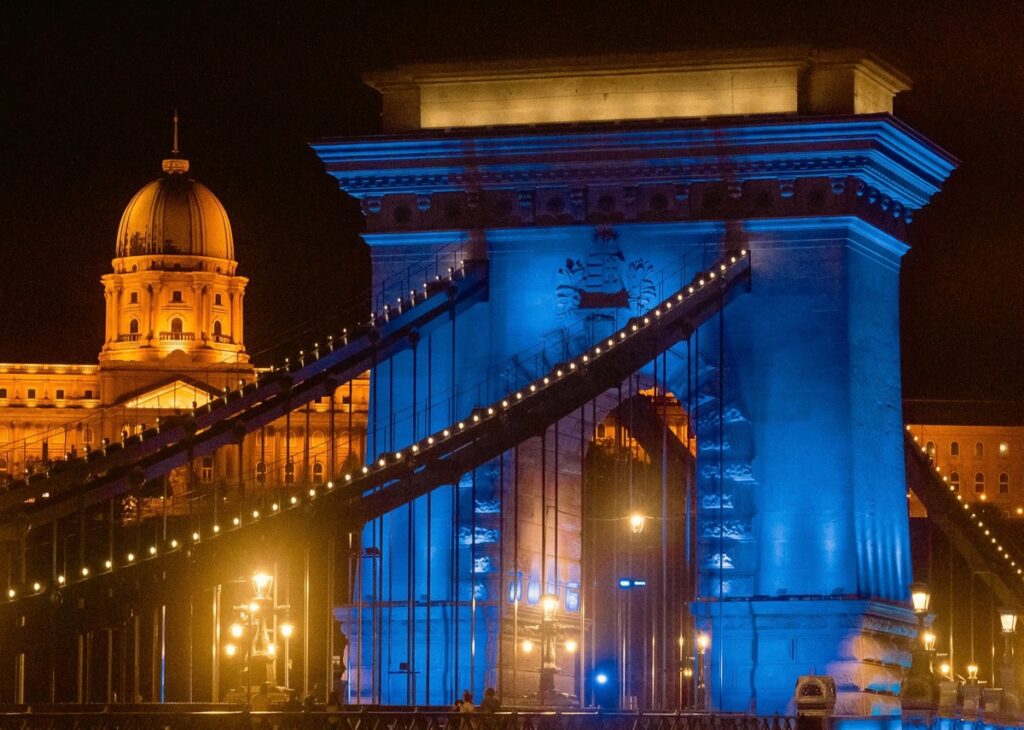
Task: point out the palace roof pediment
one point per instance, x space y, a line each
178 393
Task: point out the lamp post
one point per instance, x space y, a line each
919 693
703 643
253 631
548 637
1008 624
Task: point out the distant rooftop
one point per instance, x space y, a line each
792 80
937 412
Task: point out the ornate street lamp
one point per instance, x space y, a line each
919 693
703 644
548 637
636 523
253 631
1008 623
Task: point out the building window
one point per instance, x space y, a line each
3 466
217 300
3 392
176 296
31 393
88 394
979 450
206 470
318 473
930 448
954 448
176 326
1004 448
979 483
87 436
601 430
1004 483
954 481
218 329
289 473
60 394
261 472
133 298
133 327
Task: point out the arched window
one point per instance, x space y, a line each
930 448
1004 483
133 327
3 466
176 326
954 481
87 436
289 472
318 473
954 448
316 441
979 483
261 472
133 298
218 329
206 470
979 450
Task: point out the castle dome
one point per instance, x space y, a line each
175 215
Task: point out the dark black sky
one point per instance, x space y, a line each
86 92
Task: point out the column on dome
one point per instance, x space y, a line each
118 308
236 335
147 312
233 314
111 335
199 291
154 309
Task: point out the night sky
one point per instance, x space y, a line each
87 91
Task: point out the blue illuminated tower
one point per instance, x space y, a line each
589 186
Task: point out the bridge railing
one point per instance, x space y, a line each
172 717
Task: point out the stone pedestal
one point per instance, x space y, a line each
767 643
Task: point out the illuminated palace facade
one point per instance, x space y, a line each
173 339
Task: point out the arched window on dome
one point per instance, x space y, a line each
176 328
133 297
218 330
133 327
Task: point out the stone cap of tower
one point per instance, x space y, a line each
790 80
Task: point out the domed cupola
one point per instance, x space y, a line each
175 215
174 297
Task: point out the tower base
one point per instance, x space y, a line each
760 646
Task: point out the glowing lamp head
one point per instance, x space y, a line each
636 523
928 639
972 672
254 607
945 669
571 646
287 630
230 649
527 646
601 678
262 583
1008 620
920 597
703 641
549 602
236 630
271 649
688 672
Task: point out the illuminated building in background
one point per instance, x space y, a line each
979 447
173 339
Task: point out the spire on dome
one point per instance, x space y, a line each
175 165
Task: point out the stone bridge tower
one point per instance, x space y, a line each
588 182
